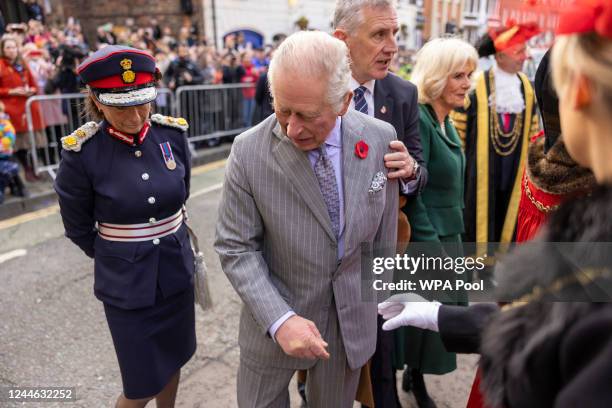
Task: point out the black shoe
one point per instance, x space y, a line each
17 187
302 391
407 380
420 391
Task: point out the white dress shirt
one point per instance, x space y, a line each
368 94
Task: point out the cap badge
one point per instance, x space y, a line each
128 76
126 63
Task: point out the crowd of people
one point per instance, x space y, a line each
41 59
66 43
38 58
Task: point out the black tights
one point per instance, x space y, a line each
22 156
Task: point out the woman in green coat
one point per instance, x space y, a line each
442 75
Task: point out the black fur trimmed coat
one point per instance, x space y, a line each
556 350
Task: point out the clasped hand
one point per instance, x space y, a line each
21 91
400 161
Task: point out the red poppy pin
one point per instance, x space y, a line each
361 149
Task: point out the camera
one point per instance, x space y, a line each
71 55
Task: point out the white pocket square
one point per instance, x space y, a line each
378 182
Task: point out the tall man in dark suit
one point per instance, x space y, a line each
369 29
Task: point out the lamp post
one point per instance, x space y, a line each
213 6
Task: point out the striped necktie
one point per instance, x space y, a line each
361 105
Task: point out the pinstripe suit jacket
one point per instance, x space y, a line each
275 240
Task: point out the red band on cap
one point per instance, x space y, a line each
116 81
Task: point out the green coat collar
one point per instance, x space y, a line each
451 137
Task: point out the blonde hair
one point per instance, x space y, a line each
314 54
588 54
436 61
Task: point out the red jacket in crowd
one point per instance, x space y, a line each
15 105
250 76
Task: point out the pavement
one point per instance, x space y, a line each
53 331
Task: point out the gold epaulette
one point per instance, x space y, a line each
179 123
75 140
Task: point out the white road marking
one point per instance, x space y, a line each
34 215
206 190
16 253
205 168
54 209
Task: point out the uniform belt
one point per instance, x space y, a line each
141 232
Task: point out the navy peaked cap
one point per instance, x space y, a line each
116 66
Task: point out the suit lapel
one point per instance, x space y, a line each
296 166
383 102
431 117
354 173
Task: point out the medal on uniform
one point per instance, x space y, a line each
167 155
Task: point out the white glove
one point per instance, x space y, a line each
409 309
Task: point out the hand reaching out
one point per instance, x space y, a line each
299 337
409 309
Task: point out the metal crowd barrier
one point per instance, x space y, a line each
214 111
164 103
61 115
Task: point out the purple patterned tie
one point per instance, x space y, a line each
324 170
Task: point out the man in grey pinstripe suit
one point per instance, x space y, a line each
298 201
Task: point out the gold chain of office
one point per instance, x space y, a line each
504 143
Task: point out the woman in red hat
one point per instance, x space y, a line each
122 185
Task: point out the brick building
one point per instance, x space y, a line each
93 13
440 17
215 19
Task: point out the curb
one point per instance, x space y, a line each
13 207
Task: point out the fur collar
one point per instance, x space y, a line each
556 172
519 348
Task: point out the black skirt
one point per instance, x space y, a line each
152 343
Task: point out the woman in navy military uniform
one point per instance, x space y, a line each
122 185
